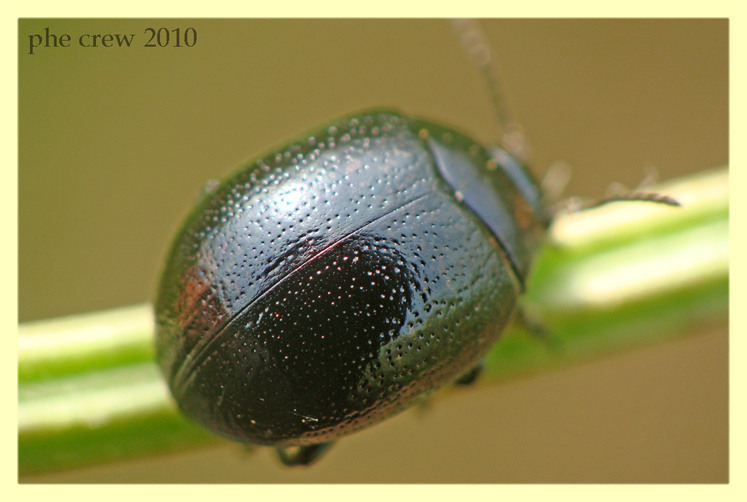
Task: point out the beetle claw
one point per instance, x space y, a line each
302 455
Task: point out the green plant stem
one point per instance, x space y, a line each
611 278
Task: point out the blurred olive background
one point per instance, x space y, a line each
117 143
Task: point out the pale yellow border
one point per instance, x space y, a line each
736 10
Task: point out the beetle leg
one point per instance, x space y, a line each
471 376
302 455
537 329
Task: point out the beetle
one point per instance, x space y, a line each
330 283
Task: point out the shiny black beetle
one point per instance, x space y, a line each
325 286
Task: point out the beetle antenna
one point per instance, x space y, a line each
473 40
640 196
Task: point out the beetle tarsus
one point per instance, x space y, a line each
302 455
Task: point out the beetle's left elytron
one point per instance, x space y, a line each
325 286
